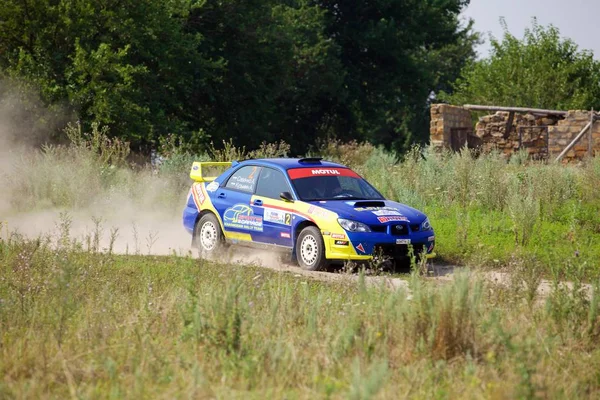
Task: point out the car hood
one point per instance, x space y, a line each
371 211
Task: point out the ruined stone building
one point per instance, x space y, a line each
544 134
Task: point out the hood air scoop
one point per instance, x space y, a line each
372 203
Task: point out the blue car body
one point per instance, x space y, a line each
355 221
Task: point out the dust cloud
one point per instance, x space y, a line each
123 219
116 219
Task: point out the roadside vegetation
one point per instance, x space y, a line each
77 320
202 81
487 211
79 323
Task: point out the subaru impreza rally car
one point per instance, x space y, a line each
320 212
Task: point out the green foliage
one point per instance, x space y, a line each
244 70
484 210
542 70
126 64
352 153
394 55
443 323
91 324
78 320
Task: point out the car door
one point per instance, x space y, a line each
232 202
277 214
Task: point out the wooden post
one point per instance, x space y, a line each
574 142
590 137
509 123
475 107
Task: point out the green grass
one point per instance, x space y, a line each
484 209
83 324
75 322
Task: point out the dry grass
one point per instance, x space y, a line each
77 320
89 324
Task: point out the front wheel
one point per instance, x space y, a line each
209 237
310 249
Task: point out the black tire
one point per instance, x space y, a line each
208 236
310 249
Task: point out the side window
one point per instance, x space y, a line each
244 179
271 183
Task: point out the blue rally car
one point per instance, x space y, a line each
320 212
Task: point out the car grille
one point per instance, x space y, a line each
399 229
396 229
378 228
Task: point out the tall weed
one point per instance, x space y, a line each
491 188
463 182
69 176
523 208
352 154
443 322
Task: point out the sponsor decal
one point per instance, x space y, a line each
382 213
392 218
325 233
360 248
317 211
285 235
341 243
213 186
241 183
375 208
241 216
198 195
297 173
338 236
431 238
402 241
324 172
277 216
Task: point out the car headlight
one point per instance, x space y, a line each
353 226
426 225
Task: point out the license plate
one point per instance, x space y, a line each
402 241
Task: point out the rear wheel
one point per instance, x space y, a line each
310 249
209 237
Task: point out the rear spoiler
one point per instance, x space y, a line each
197 167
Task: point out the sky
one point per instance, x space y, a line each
576 19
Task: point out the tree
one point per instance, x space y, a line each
127 64
394 55
280 77
246 70
542 70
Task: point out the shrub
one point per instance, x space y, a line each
442 323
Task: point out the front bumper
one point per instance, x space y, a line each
364 246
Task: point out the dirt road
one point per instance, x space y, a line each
139 232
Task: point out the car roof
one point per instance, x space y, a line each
289 163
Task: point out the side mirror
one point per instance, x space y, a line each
286 196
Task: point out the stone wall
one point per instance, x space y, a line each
445 119
526 132
542 136
567 129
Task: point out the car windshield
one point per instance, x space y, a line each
313 184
